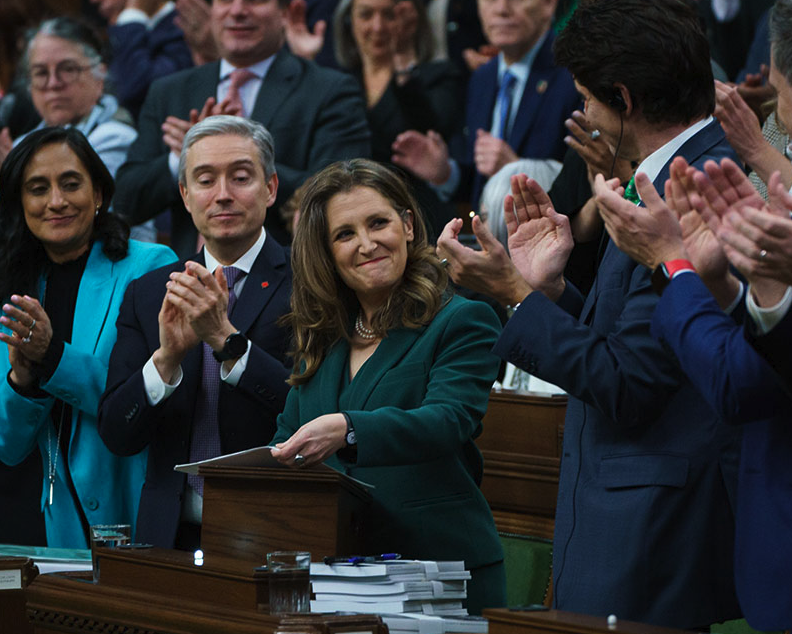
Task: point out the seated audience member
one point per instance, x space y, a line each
516 105
67 261
712 350
643 525
200 367
387 45
316 115
66 74
394 373
66 77
144 44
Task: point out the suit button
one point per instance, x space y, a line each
92 503
259 389
452 27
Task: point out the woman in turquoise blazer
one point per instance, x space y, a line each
70 262
394 375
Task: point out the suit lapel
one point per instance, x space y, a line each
203 84
280 81
388 354
537 86
94 300
267 274
483 102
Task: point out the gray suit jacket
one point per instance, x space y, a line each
316 116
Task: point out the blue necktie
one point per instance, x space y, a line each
205 441
503 104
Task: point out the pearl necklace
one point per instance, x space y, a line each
362 331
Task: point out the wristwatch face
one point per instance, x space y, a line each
350 438
235 346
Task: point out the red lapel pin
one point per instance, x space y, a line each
264 284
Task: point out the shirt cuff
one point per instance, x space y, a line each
767 318
736 301
128 16
446 191
156 389
173 166
233 377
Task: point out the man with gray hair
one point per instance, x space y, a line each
199 368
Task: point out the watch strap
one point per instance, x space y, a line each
666 271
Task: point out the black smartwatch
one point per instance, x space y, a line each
234 347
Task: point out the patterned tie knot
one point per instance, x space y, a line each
631 193
232 275
240 77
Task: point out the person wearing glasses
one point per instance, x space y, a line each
65 71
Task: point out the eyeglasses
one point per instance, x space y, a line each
65 72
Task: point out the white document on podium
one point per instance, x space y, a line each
256 457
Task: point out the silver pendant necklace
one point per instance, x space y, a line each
52 461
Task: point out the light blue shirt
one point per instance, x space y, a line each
521 71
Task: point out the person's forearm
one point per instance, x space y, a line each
767 160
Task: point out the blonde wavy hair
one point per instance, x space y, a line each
322 305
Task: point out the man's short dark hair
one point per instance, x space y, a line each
656 48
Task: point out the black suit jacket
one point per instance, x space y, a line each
316 116
246 413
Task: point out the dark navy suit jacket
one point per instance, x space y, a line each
743 388
538 131
644 521
246 413
140 55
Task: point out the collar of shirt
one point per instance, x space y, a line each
653 163
128 16
244 263
249 91
521 70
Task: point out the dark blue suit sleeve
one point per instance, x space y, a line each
731 376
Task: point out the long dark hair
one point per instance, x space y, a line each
22 256
322 304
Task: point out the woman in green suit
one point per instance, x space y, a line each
393 372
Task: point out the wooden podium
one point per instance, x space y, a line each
248 511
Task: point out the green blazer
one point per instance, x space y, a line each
416 406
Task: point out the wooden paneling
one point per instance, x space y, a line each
521 445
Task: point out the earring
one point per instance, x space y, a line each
97 210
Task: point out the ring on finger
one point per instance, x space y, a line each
299 460
762 254
32 325
29 336
444 263
595 134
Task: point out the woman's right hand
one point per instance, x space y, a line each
31 330
315 441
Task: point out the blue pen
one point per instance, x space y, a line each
361 560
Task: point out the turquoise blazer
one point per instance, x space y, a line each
416 406
108 486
